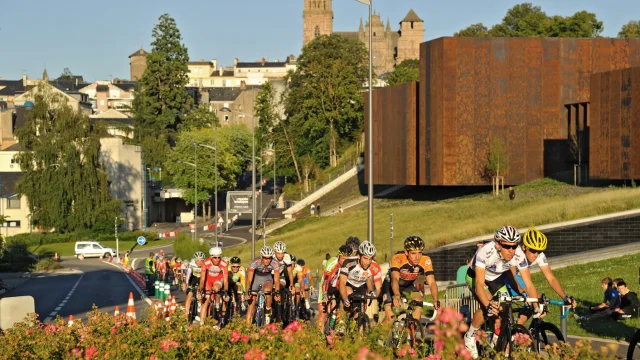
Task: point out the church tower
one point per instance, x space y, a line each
411 36
317 18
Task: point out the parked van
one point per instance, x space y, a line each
93 248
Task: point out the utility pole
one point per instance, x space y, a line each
117 242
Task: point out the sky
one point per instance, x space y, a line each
95 39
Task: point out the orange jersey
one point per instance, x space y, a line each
409 272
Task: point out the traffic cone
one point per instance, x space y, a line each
117 312
131 309
173 305
159 309
81 257
111 259
167 307
56 257
70 320
101 258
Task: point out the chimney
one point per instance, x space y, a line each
235 62
220 71
24 80
263 61
76 81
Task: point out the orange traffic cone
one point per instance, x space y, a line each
117 312
56 257
159 308
101 258
172 310
131 309
81 257
70 320
167 307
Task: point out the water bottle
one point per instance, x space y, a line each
396 329
306 304
267 319
332 322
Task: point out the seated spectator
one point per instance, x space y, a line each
611 298
616 281
629 303
461 274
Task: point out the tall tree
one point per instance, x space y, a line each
161 98
324 96
630 30
199 117
405 72
582 24
66 75
474 30
63 179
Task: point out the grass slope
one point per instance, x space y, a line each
446 221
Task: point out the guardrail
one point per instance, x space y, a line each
460 298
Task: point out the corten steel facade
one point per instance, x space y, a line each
474 90
614 125
395 141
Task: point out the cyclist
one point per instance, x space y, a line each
237 279
328 283
177 271
534 243
264 274
488 275
302 280
192 279
161 267
405 269
357 276
215 272
286 265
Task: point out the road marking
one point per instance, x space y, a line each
63 303
144 297
133 263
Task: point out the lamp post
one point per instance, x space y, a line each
253 183
215 152
370 127
195 207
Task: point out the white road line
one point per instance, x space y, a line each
144 297
133 263
63 303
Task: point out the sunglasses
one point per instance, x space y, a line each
215 257
235 267
533 251
266 258
509 247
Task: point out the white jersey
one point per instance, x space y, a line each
286 262
488 258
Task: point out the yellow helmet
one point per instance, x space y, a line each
534 239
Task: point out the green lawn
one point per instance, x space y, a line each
446 221
67 249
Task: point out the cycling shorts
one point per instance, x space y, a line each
259 282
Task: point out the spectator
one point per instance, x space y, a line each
512 193
313 210
326 258
629 303
318 209
340 209
611 298
461 274
615 283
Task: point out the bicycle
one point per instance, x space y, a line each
260 317
509 329
539 328
358 311
195 305
286 308
215 311
330 322
409 330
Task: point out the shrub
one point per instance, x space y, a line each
16 258
38 238
184 247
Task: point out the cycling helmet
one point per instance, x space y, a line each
353 242
345 250
215 251
235 260
279 247
178 260
199 255
293 258
508 234
367 249
534 239
412 243
300 262
266 251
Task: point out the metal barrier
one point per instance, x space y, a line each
460 298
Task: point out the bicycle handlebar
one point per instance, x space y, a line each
423 304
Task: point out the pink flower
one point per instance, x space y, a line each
362 355
235 336
254 354
91 352
76 352
433 357
288 338
402 352
153 357
330 339
293 327
412 352
168 344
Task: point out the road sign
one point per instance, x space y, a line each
192 226
239 202
142 240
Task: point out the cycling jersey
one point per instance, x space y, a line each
329 278
301 272
489 258
356 275
238 278
161 265
409 272
259 269
193 274
214 273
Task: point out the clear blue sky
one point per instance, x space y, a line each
94 39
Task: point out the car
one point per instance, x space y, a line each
92 248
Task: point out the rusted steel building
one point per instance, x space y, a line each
529 93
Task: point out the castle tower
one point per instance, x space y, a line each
317 18
411 36
381 43
137 64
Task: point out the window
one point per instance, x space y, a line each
97 247
374 34
226 118
13 224
81 246
317 31
13 161
13 202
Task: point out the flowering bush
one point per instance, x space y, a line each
103 336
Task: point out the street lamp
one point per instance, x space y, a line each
253 183
215 152
195 206
370 126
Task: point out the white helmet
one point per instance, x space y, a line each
279 247
367 249
507 234
215 251
266 251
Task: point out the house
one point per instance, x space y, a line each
105 95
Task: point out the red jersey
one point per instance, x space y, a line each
214 273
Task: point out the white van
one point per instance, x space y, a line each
93 248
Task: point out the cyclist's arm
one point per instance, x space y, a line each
553 281
290 273
395 283
276 279
514 272
482 295
433 286
242 282
225 276
343 286
528 284
310 277
249 279
188 275
203 276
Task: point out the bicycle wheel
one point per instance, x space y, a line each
633 346
547 334
506 340
362 324
193 309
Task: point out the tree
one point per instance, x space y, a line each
184 174
497 159
63 179
405 72
324 98
630 30
522 20
474 30
582 24
199 117
161 99
308 169
66 75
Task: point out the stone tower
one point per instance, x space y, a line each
411 36
317 18
382 43
137 64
